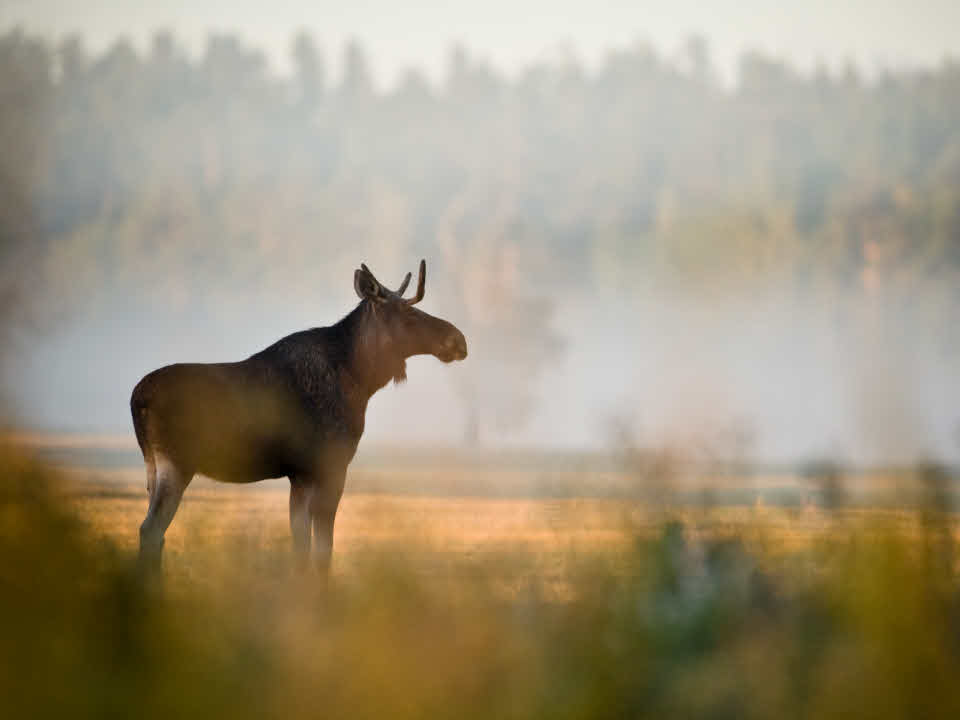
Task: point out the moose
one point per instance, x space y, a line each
295 409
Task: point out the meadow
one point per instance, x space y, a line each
475 606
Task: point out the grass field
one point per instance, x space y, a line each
480 605
533 509
215 514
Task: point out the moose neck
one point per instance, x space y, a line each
370 357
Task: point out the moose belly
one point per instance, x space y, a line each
253 460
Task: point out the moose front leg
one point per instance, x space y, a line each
323 538
313 506
324 501
300 520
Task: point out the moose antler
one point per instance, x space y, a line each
421 283
367 271
403 286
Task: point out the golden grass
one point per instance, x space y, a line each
548 531
472 608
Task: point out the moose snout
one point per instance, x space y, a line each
454 347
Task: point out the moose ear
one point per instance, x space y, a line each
365 284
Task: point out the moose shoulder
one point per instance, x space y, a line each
295 409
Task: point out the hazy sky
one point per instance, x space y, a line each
512 33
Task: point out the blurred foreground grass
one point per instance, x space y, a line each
470 608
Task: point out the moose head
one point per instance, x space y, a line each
394 329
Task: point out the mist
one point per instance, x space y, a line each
774 260
682 376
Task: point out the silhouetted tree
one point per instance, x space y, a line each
357 80
309 71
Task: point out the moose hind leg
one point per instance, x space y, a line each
168 486
151 476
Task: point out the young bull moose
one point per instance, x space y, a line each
295 409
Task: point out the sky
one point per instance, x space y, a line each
512 34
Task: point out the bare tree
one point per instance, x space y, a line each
510 321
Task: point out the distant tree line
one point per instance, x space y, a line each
178 181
